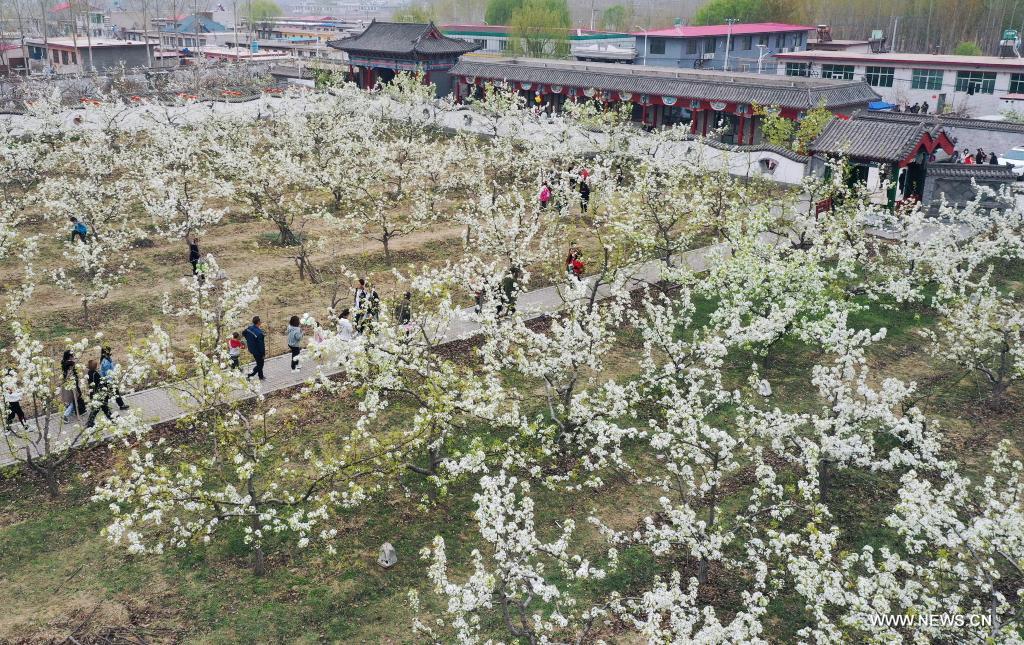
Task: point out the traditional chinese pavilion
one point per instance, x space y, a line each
386 48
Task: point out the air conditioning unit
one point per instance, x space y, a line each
707 55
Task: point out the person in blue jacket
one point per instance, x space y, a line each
107 366
255 340
79 230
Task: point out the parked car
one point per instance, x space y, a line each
1014 157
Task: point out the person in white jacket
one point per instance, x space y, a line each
345 328
12 396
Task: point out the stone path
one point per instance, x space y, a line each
157 405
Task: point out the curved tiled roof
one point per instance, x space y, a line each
884 141
942 119
403 39
977 171
785 91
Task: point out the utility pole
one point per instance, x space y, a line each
234 18
728 42
761 54
145 32
88 33
592 11
74 29
895 29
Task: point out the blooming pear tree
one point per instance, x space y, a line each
48 442
513 582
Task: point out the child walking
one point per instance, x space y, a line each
235 349
295 340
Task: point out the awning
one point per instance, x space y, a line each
880 105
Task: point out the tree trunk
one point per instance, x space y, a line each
259 562
386 241
824 478
52 485
286 237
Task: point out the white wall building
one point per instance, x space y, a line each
966 85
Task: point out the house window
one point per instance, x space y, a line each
732 44
879 76
1016 83
747 43
844 72
780 41
926 79
797 69
64 58
798 39
503 45
691 46
657 46
762 39
481 42
978 82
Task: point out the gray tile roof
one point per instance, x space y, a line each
885 141
785 91
949 121
403 39
981 172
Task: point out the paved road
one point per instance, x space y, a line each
158 405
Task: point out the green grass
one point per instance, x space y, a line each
54 560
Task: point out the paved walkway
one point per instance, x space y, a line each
157 405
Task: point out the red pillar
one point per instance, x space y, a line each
739 130
694 115
704 131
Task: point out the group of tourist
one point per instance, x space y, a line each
916 108
980 157
366 303
100 379
100 374
581 184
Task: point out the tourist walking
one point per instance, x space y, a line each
359 303
509 291
294 334
107 366
71 389
584 195
235 349
404 313
345 328
968 157
924 107
193 253
993 160
574 263
79 230
319 334
255 340
372 316
545 194
12 396
98 395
